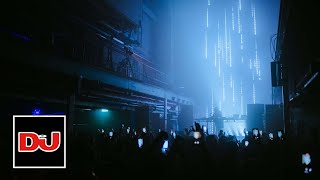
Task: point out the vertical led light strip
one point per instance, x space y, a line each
219 65
254 21
251 9
257 59
207 17
226 28
257 64
254 93
225 35
206 34
212 128
241 100
212 131
212 103
223 89
230 50
232 19
239 21
219 52
207 112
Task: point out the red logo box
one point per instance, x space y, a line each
39 142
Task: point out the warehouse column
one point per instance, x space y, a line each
165 114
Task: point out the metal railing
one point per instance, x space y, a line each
118 62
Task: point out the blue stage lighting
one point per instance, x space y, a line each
104 110
36 112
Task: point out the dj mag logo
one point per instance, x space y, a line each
39 141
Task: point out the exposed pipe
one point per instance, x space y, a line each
142 99
98 99
101 95
101 104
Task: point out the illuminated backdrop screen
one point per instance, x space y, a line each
238 50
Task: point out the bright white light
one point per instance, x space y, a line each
140 143
219 63
240 4
254 21
230 51
239 21
165 144
212 131
271 135
119 41
104 110
234 127
232 20
225 34
251 9
306 159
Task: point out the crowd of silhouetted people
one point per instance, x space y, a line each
129 153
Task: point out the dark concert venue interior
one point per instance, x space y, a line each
160 89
